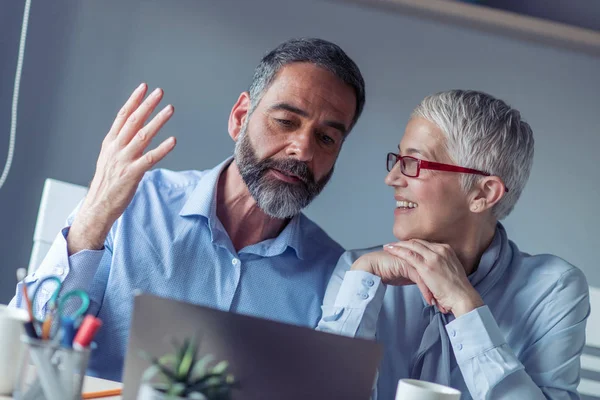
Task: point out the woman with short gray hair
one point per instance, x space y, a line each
454 301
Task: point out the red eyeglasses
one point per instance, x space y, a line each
411 166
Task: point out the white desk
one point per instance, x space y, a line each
93 385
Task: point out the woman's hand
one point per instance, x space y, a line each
441 271
392 270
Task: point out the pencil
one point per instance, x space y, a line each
46 326
27 302
21 273
103 393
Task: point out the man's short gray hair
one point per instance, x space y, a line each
483 133
320 52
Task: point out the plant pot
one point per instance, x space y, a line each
147 392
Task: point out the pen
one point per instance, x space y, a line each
86 332
68 332
30 330
46 327
21 273
100 394
28 325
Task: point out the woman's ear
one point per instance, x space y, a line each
238 115
487 193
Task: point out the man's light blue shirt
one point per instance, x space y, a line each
169 242
525 343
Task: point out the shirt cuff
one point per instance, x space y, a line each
84 263
358 289
357 305
474 333
58 262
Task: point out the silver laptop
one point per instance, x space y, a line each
270 360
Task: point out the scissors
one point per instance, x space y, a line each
56 304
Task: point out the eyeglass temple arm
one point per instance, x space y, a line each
452 168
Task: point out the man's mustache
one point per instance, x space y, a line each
291 167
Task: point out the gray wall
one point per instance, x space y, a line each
84 57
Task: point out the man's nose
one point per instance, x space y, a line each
301 146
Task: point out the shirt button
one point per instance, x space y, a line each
235 261
59 271
460 346
453 333
369 282
363 295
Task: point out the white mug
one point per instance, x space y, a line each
413 389
11 328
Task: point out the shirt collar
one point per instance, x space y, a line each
203 202
296 241
494 262
291 236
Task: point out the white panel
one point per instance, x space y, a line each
592 338
589 387
591 363
592 331
59 199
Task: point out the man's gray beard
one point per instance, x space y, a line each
274 197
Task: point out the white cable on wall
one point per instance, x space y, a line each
15 99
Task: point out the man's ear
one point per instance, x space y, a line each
487 193
238 115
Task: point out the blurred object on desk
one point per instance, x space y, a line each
11 329
91 386
48 371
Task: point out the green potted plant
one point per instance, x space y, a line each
181 375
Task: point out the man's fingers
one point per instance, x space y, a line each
137 119
145 135
148 160
130 105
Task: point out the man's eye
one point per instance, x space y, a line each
326 139
284 122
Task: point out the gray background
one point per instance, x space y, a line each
83 58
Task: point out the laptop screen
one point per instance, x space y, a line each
269 360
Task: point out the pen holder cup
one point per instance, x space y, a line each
48 371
